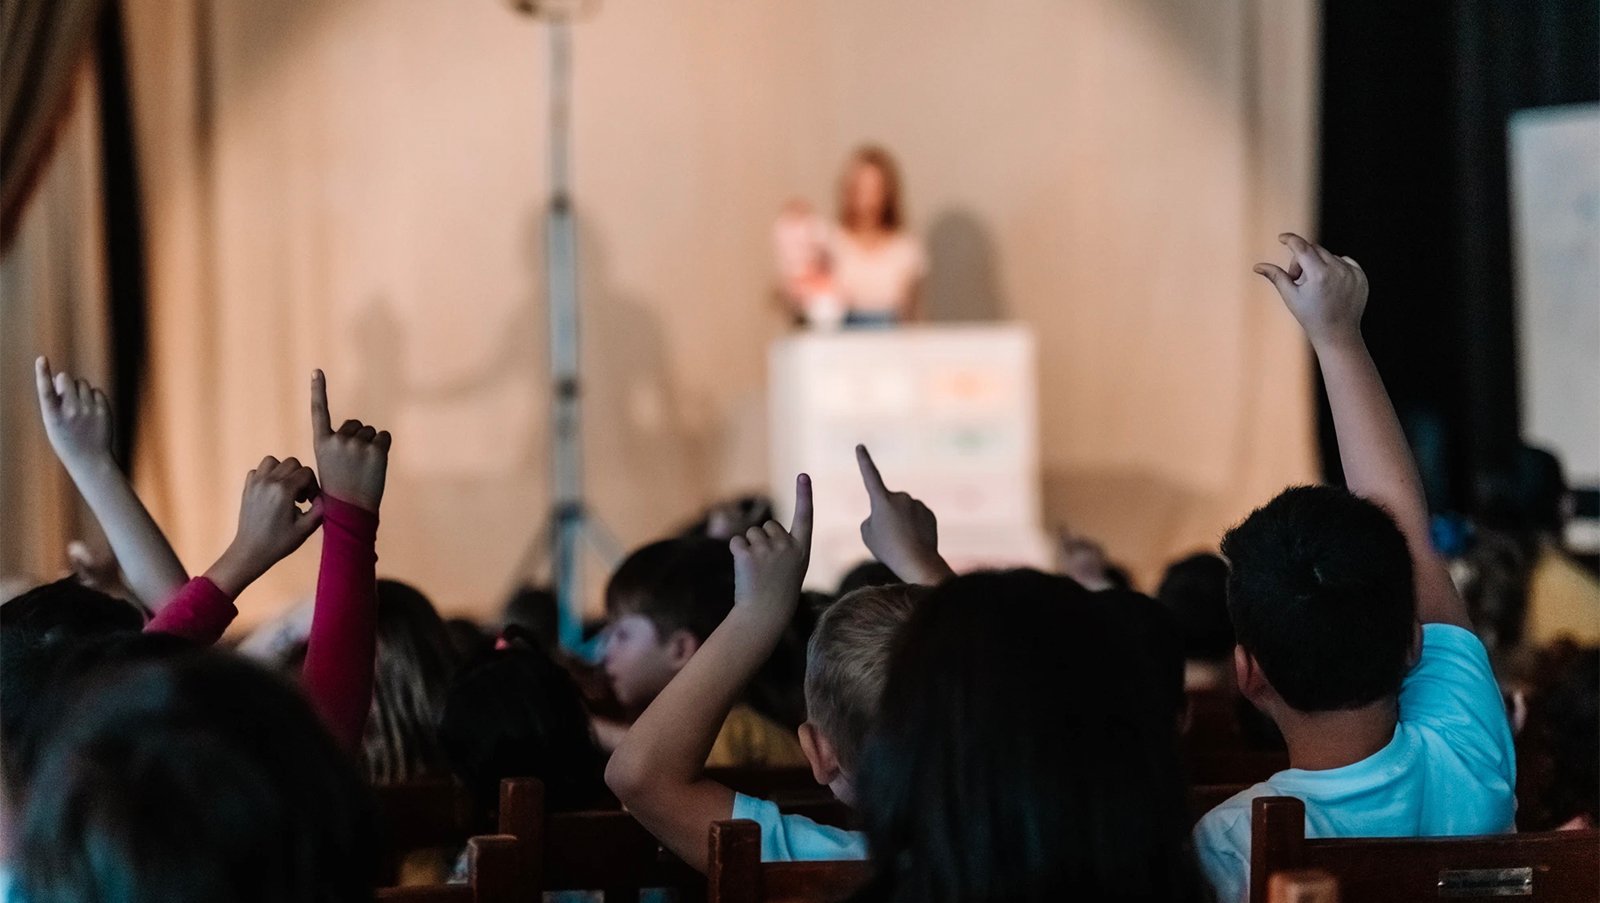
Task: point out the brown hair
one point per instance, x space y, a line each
878 158
847 662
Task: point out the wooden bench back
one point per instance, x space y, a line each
1553 867
737 874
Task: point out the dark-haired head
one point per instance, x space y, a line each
1558 752
663 601
1195 590
411 675
516 713
534 609
194 777
867 573
1320 595
39 628
1031 756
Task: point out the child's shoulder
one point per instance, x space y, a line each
750 738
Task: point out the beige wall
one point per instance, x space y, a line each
359 184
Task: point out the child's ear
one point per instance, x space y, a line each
1247 675
819 752
681 646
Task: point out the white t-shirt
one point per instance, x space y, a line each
795 838
1449 771
876 280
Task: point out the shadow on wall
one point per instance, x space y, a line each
963 282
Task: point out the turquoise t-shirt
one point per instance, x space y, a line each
795 838
1449 771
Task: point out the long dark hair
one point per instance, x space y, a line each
192 777
1026 749
412 672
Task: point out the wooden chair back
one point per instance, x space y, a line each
736 873
1552 867
420 816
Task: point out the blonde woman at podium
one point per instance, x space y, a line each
865 271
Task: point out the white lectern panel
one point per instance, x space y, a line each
950 414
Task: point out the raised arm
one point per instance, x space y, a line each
77 419
1327 295
271 526
658 771
353 462
901 532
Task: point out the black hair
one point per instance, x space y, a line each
412 671
1527 495
467 638
1320 593
1029 757
535 610
1558 752
867 573
192 777
36 629
679 584
1195 590
516 713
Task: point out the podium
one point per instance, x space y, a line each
950 414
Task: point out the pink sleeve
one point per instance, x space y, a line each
199 611
343 640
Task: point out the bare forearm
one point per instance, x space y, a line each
675 734
151 568
1378 465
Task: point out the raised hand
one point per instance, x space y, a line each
900 531
1326 294
271 524
77 420
354 459
77 416
769 562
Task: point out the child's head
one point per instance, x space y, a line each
193 777
1195 590
516 713
414 664
1320 595
847 662
1026 748
1558 752
663 602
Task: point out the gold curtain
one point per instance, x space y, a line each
53 296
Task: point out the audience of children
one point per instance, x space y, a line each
999 735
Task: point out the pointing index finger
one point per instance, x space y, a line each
870 475
800 527
46 384
321 425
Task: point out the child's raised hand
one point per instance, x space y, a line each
769 562
77 416
354 459
271 524
900 531
1326 294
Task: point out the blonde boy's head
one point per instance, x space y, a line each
847 662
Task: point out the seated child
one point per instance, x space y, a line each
1393 729
663 602
657 771
1026 749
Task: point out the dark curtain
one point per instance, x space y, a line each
1416 102
41 44
124 234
